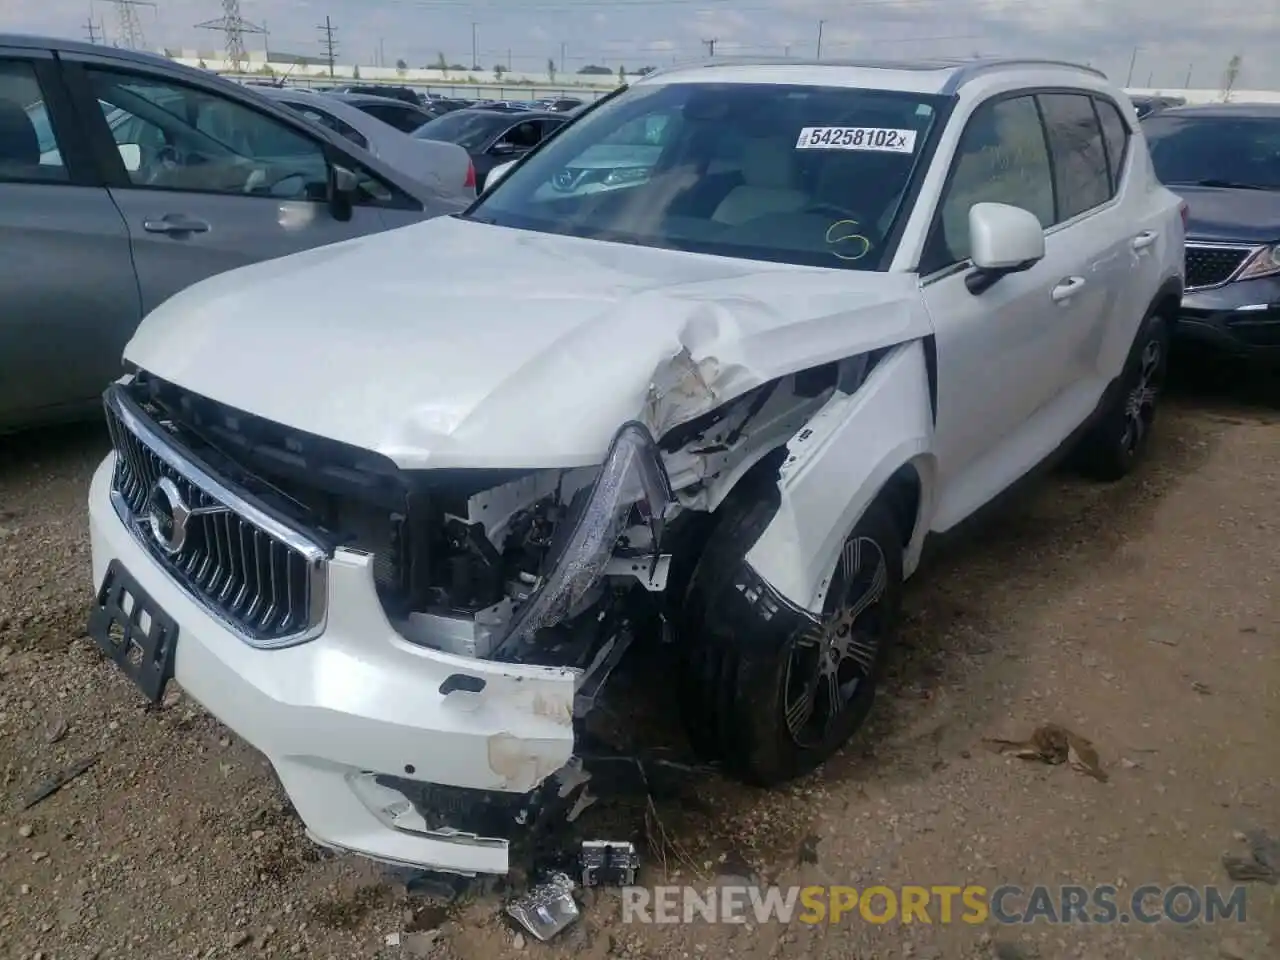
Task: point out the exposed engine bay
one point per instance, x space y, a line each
548 566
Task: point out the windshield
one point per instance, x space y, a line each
790 174
1242 151
469 129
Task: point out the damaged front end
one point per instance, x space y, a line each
521 583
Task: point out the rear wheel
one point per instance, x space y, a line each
1116 443
767 691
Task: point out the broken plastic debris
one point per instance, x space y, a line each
548 908
1261 866
611 863
1053 744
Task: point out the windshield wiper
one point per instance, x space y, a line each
1225 184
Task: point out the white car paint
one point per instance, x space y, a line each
428 391
440 165
470 345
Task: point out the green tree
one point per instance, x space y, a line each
551 69
401 68
202 65
355 72
441 63
622 75
498 71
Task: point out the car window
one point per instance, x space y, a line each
405 119
1002 157
523 136
189 139
1115 134
815 175
28 143
1214 149
469 129
1079 157
326 119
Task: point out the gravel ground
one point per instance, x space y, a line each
1143 616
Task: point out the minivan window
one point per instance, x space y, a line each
28 142
819 178
1079 158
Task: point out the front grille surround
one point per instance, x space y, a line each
1211 265
265 580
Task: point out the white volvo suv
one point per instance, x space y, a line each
394 508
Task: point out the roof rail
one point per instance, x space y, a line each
765 61
971 69
962 70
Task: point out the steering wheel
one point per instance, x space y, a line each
850 235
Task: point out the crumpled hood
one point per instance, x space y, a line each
458 344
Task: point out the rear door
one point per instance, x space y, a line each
68 296
216 182
1091 232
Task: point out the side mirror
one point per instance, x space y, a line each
343 185
502 149
497 173
131 154
1003 239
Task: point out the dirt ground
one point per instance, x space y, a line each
1142 616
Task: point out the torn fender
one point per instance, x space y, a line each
834 469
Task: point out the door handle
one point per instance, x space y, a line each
175 223
1145 239
1067 288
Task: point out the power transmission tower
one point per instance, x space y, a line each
711 46
233 27
329 43
131 34
91 29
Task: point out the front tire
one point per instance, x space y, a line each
1118 441
766 691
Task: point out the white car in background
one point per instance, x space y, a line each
393 510
443 166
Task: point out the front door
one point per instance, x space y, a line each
208 183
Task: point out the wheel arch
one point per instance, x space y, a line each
860 449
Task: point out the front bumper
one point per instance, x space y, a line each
359 701
1240 318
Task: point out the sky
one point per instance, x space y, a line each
1172 38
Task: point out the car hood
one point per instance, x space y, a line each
1240 216
452 343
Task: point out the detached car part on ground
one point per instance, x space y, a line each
398 534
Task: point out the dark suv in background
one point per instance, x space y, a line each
1224 160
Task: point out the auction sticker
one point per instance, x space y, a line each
881 139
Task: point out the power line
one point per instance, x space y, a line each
130 26
329 43
233 27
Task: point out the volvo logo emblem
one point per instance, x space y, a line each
169 515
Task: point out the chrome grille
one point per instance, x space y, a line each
1210 265
265 580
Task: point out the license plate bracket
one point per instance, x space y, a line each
133 631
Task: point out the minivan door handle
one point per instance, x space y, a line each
1067 288
172 223
1145 239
